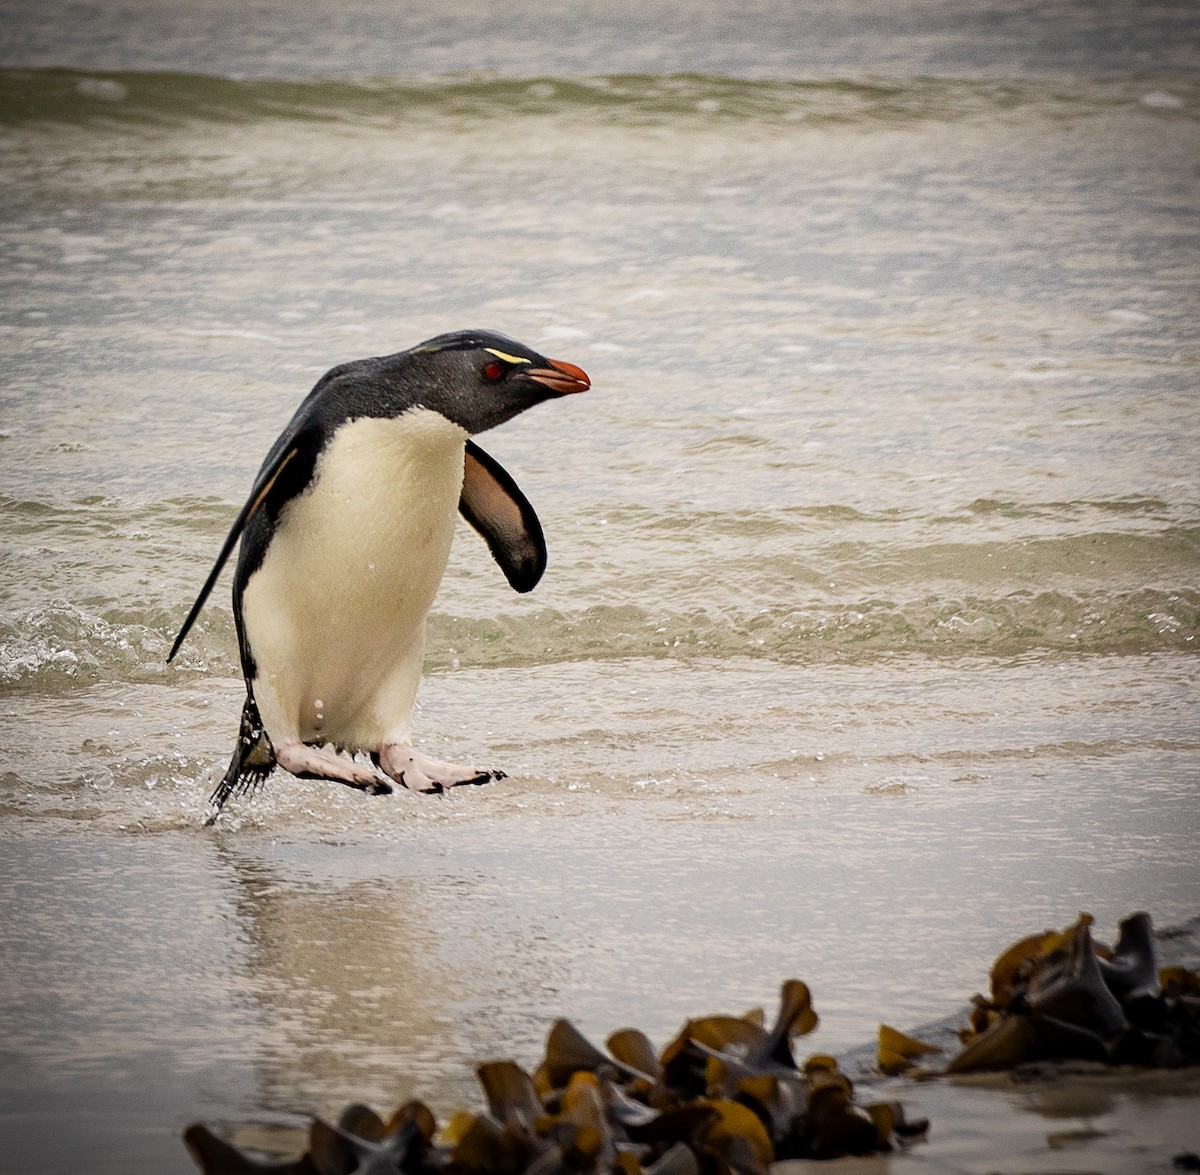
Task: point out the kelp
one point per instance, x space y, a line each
725 1097
899 1053
1061 996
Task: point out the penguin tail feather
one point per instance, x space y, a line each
253 760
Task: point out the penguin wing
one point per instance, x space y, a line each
496 508
295 448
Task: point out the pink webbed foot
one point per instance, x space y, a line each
319 763
419 773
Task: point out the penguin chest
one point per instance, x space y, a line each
335 613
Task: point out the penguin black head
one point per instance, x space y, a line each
480 379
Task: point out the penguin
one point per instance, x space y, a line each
344 538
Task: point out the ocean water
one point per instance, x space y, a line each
868 640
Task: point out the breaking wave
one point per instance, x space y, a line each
136 99
795 586
63 647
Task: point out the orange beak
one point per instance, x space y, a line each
561 377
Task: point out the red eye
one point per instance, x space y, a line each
493 371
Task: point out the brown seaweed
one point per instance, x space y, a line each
725 1097
1059 995
898 1053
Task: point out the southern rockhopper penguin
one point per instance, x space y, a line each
344 539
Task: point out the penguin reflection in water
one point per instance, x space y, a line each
344 539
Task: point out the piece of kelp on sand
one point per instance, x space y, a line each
725 1097
1061 996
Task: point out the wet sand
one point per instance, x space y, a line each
244 978
1062 1122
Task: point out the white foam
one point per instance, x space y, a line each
1161 100
563 332
102 89
226 332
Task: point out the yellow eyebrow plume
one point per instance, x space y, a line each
506 358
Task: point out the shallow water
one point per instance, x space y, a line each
868 640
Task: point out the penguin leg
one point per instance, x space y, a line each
417 772
318 763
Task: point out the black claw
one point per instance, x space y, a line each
374 787
437 789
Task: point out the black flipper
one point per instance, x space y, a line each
496 508
294 448
253 760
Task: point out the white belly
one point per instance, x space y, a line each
335 615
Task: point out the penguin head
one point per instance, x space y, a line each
480 379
